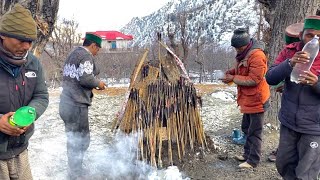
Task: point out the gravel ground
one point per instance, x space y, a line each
107 154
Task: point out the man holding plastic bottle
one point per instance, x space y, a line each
291 35
298 155
22 83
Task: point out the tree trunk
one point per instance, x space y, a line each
45 14
280 14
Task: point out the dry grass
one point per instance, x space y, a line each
112 91
207 88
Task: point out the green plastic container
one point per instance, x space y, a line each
24 116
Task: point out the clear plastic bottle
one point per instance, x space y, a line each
312 49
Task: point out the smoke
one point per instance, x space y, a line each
119 160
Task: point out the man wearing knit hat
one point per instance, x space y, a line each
79 78
298 152
253 92
22 83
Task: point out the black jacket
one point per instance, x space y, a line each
27 88
300 104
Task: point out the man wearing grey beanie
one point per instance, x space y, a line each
240 38
253 92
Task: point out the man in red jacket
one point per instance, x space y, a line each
291 36
253 92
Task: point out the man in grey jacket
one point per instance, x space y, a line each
79 78
22 83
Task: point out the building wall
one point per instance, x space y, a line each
115 45
122 44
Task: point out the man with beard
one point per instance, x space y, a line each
22 83
253 93
298 152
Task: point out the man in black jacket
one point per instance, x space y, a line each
79 78
298 155
22 83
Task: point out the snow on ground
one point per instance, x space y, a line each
107 153
225 96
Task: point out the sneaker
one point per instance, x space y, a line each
245 165
273 156
240 158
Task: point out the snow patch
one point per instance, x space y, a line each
225 96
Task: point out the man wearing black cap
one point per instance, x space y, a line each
79 78
253 92
22 83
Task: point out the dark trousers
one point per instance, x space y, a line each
252 125
298 155
78 135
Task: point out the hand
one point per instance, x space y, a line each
228 72
299 57
7 128
228 78
102 85
308 78
26 128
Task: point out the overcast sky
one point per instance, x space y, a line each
94 15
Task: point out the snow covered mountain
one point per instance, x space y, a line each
218 19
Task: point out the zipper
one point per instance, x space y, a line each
20 87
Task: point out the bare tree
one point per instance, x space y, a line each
117 65
260 25
177 31
62 41
172 31
185 38
199 42
280 14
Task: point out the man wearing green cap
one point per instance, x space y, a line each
291 35
79 78
298 152
22 83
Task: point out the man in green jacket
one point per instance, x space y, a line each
22 83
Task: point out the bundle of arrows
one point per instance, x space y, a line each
162 106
